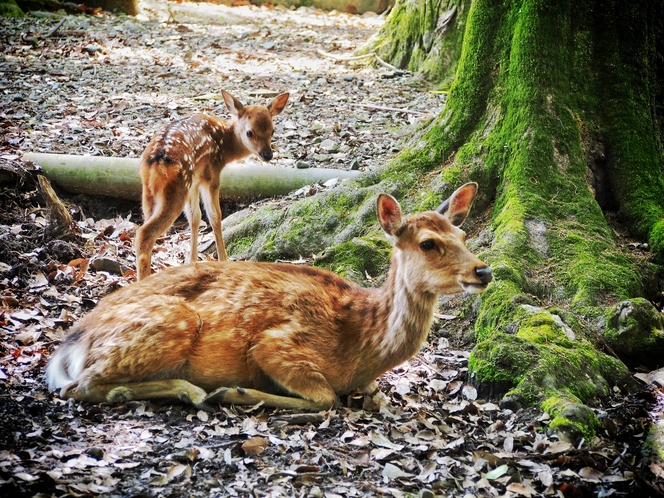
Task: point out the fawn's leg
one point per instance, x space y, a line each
213 210
193 211
164 213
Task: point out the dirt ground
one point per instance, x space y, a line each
102 86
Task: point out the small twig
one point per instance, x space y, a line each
390 109
299 418
55 28
344 59
366 56
390 66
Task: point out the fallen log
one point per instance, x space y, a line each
118 176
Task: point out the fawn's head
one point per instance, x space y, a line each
431 248
254 123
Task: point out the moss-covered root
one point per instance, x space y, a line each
544 361
8 8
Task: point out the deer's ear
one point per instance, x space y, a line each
389 214
278 104
456 208
235 107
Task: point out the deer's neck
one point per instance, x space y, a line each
408 312
225 134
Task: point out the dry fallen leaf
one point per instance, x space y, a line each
255 445
591 474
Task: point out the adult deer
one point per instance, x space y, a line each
290 336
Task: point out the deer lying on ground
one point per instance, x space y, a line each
185 159
290 336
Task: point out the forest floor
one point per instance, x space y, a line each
102 86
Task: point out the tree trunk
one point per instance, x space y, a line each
554 109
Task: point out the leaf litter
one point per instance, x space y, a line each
101 86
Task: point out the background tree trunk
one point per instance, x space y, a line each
554 109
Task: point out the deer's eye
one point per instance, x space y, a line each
427 245
250 134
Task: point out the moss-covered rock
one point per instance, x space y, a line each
545 357
363 260
635 331
571 419
9 8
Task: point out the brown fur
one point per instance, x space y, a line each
269 328
185 159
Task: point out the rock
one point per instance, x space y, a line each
635 331
302 165
329 146
96 453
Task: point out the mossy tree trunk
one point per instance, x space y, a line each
554 109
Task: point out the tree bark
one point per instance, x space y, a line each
554 109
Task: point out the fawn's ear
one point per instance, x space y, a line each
389 215
234 105
278 104
456 208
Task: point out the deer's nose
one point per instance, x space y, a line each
484 274
266 154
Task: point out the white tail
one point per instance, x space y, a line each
253 332
185 159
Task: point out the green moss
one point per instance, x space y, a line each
571 418
240 245
358 259
544 334
657 239
544 361
423 36
629 114
502 361
8 8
